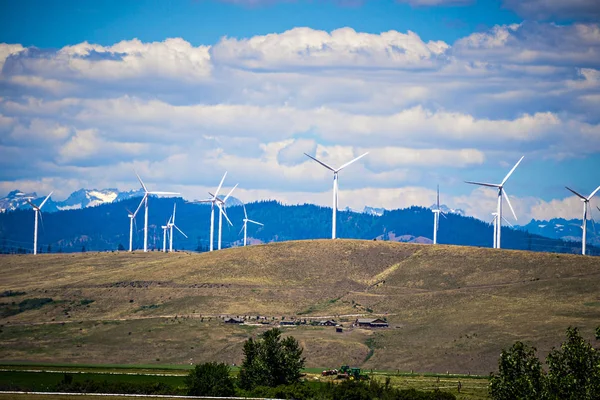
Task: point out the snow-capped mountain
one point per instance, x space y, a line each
81 198
15 199
449 210
374 211
560 228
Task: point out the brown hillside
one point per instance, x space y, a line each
450 308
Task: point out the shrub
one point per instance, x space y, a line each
210 379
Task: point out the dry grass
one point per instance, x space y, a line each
450 308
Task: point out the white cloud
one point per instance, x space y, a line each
427 112
342 48
6 50
429 3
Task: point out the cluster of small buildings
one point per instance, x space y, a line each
360 322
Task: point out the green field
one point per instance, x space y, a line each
12 377
450 308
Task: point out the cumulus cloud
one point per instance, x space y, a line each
342 48
555 9
533 43
427 112
174 59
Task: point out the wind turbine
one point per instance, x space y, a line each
145 202
335 187
171 224
212 200
165 228
586 201
131 223
501 193
38 211
246 220
436 216
222 212
495 223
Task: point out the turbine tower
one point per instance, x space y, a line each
222 212
171 224
212 200
145 202
495 223
501 193
586 201
335 187
436 216
246 220
37 212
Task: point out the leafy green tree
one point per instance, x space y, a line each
574 369
598 333
271 361
210 379
520 374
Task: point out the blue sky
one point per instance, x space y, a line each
439 91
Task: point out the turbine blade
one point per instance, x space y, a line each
320 162
222 210
576 194
350 162
174 208
483 184
505 220
243 226
42 221
45 200
229 194
140 205
511 171
508 202
589 197
257 223
245 214
220 184
443 214
180 231
141 183
32 205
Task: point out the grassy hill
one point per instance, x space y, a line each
450 308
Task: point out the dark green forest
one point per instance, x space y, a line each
106 227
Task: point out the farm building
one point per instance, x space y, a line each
371 323
329 322
233 321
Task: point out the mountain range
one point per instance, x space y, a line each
97 220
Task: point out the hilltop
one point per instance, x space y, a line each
450 308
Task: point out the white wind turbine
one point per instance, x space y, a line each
165 228
246 220
335 187
495 223
212 200
586 201
223 213
145 202
171 224
131 216
37 211
436 216
501 193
